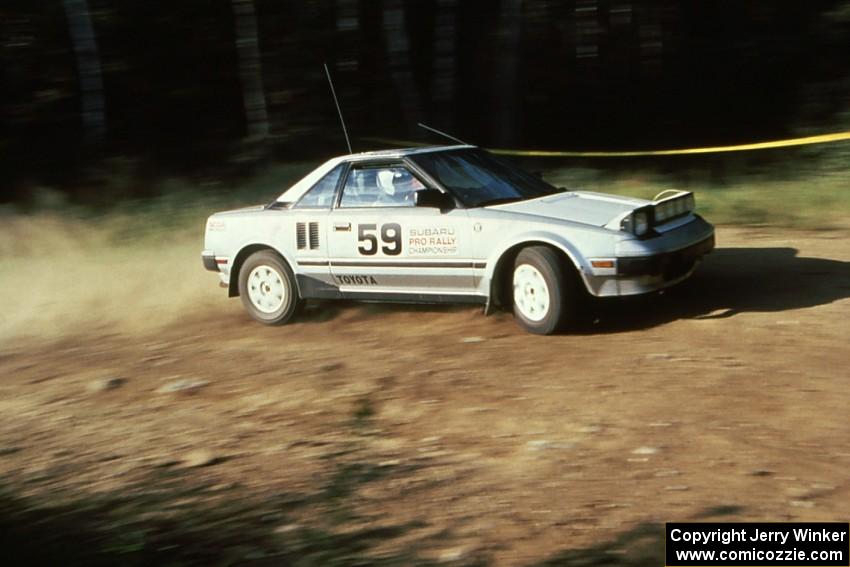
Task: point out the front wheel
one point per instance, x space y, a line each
267 288
544 291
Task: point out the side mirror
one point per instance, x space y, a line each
433 198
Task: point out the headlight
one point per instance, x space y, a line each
672 208
640 223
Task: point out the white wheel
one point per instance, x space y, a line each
545 295
531 294
266 289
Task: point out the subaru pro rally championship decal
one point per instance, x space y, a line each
431 241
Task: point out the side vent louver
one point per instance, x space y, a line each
300 235
314 235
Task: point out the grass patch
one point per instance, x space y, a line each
363 413
141 526
811 201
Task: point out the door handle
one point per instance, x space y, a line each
342 226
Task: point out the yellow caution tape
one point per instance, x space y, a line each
821 139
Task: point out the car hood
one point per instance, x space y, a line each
587 207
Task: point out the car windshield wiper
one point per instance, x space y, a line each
498 201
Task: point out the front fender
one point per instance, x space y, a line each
505 248
245 250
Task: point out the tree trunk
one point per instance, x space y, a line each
510 20
88 69
443 86
398 48
347 22
250 69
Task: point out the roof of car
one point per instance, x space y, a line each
295 192
407 151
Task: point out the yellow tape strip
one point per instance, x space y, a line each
821 139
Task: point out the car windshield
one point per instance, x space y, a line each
479 179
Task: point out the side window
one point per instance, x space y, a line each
388 186
321 195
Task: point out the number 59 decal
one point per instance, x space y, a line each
390 236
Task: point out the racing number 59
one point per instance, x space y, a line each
390 236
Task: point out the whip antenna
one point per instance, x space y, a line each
449 136
339 111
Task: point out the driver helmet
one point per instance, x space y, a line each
385 181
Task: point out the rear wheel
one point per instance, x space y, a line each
267 288
544 291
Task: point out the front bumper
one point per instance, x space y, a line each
208 258
654 264
671 265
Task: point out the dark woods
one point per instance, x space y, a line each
189 86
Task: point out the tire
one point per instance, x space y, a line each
267 288
545 293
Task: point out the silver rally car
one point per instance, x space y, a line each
450 224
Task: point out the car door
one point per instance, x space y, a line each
383 246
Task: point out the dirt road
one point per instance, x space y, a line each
402 435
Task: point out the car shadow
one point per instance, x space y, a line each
728 282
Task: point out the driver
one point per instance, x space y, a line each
397 186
